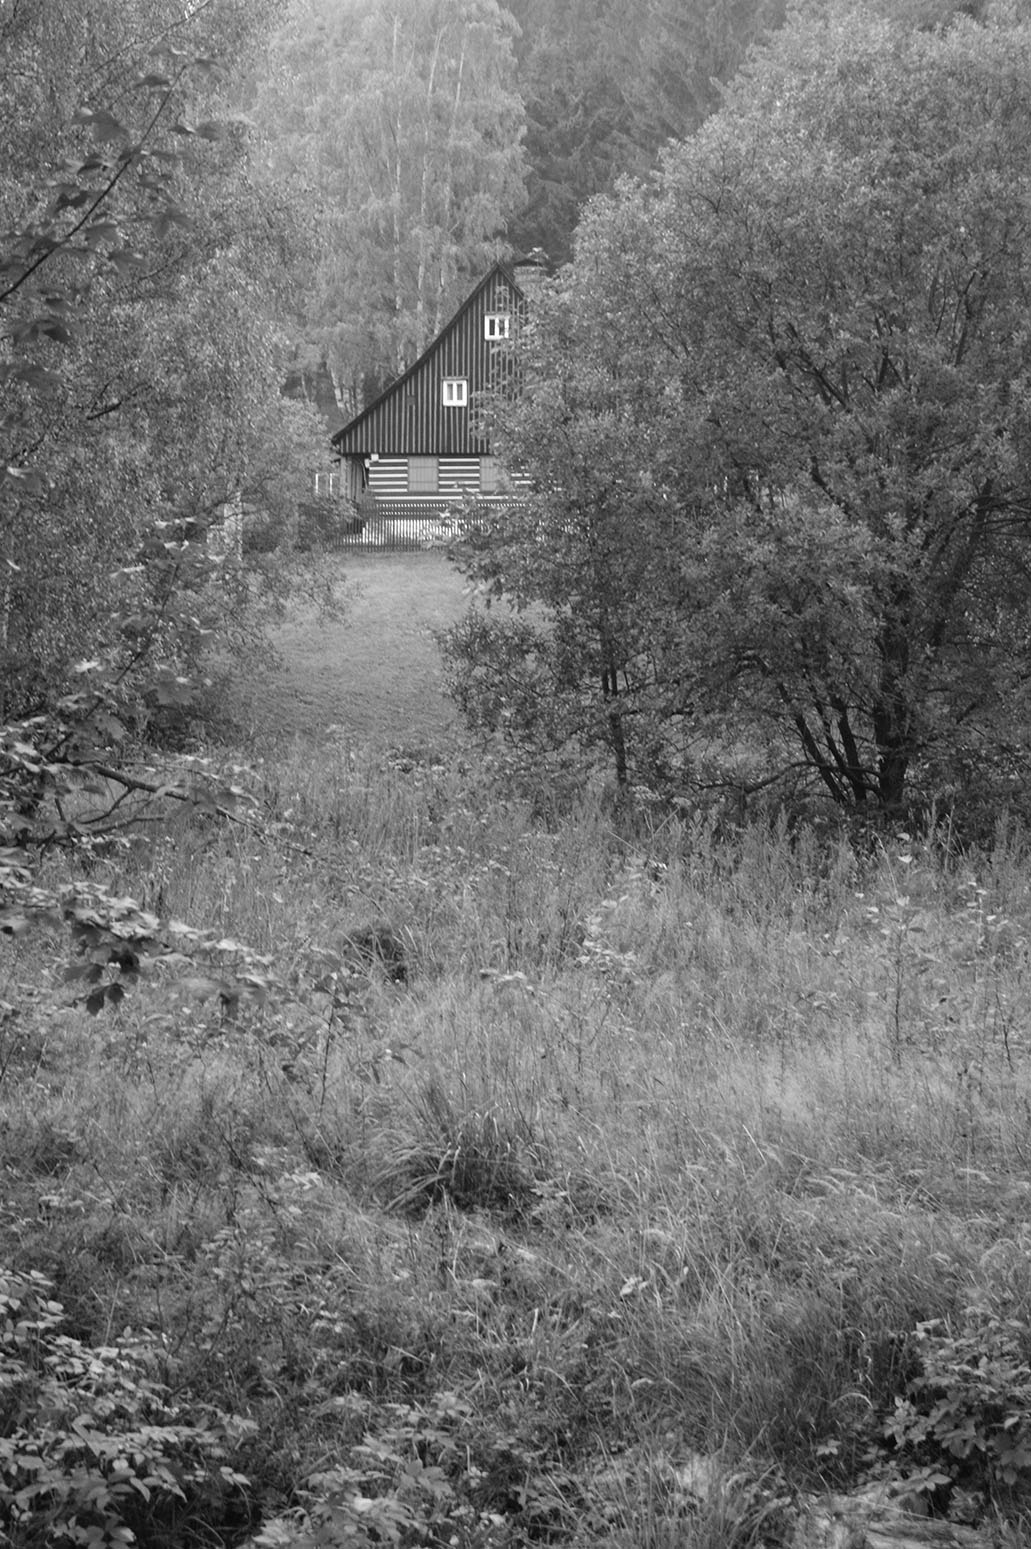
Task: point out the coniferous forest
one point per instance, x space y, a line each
595 1113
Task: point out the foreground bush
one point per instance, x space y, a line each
93 1450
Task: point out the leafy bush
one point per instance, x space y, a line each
92 1450
323 518
427 1474
965 1421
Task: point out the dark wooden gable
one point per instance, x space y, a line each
410 419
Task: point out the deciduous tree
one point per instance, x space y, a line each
810 334
138 275
139 371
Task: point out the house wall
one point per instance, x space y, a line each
388 476
410 418
456 476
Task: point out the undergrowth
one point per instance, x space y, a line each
654 1178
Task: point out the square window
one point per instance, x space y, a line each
455 392
497 325
422 475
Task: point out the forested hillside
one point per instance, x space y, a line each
431 136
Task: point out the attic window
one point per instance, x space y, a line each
455 392
497 325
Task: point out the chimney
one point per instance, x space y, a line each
530 273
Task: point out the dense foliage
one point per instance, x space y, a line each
481 1166
430 137
140 273
779 426
606 85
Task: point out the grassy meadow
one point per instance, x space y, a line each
582 1181
370 672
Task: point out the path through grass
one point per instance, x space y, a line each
373 673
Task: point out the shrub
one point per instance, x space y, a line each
322 519
92 1450
965 1422
430 1473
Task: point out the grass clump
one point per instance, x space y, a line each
475 1158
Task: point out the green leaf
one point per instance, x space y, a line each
125 259
13 922
101 231
41 379
104 124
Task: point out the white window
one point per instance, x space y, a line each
455 392
490 475
422 475
497 325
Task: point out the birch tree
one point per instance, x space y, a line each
403 119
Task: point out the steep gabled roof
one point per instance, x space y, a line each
348 439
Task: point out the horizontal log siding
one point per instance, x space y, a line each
517 482
410 418
388 477
456 476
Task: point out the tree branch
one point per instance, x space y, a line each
105 193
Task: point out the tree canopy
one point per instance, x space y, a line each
796 364
140 365
605 85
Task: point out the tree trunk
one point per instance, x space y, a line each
443 271
892 715
421 332
396 201
617 734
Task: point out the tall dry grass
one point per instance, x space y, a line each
664 1145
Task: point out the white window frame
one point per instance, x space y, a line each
497 325
454 392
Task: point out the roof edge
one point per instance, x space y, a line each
506 270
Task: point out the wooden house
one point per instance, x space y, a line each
422 444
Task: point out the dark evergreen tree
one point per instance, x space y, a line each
689 48
606 85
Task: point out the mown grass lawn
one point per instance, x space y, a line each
644 1153
370 674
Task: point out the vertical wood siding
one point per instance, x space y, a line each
409 419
